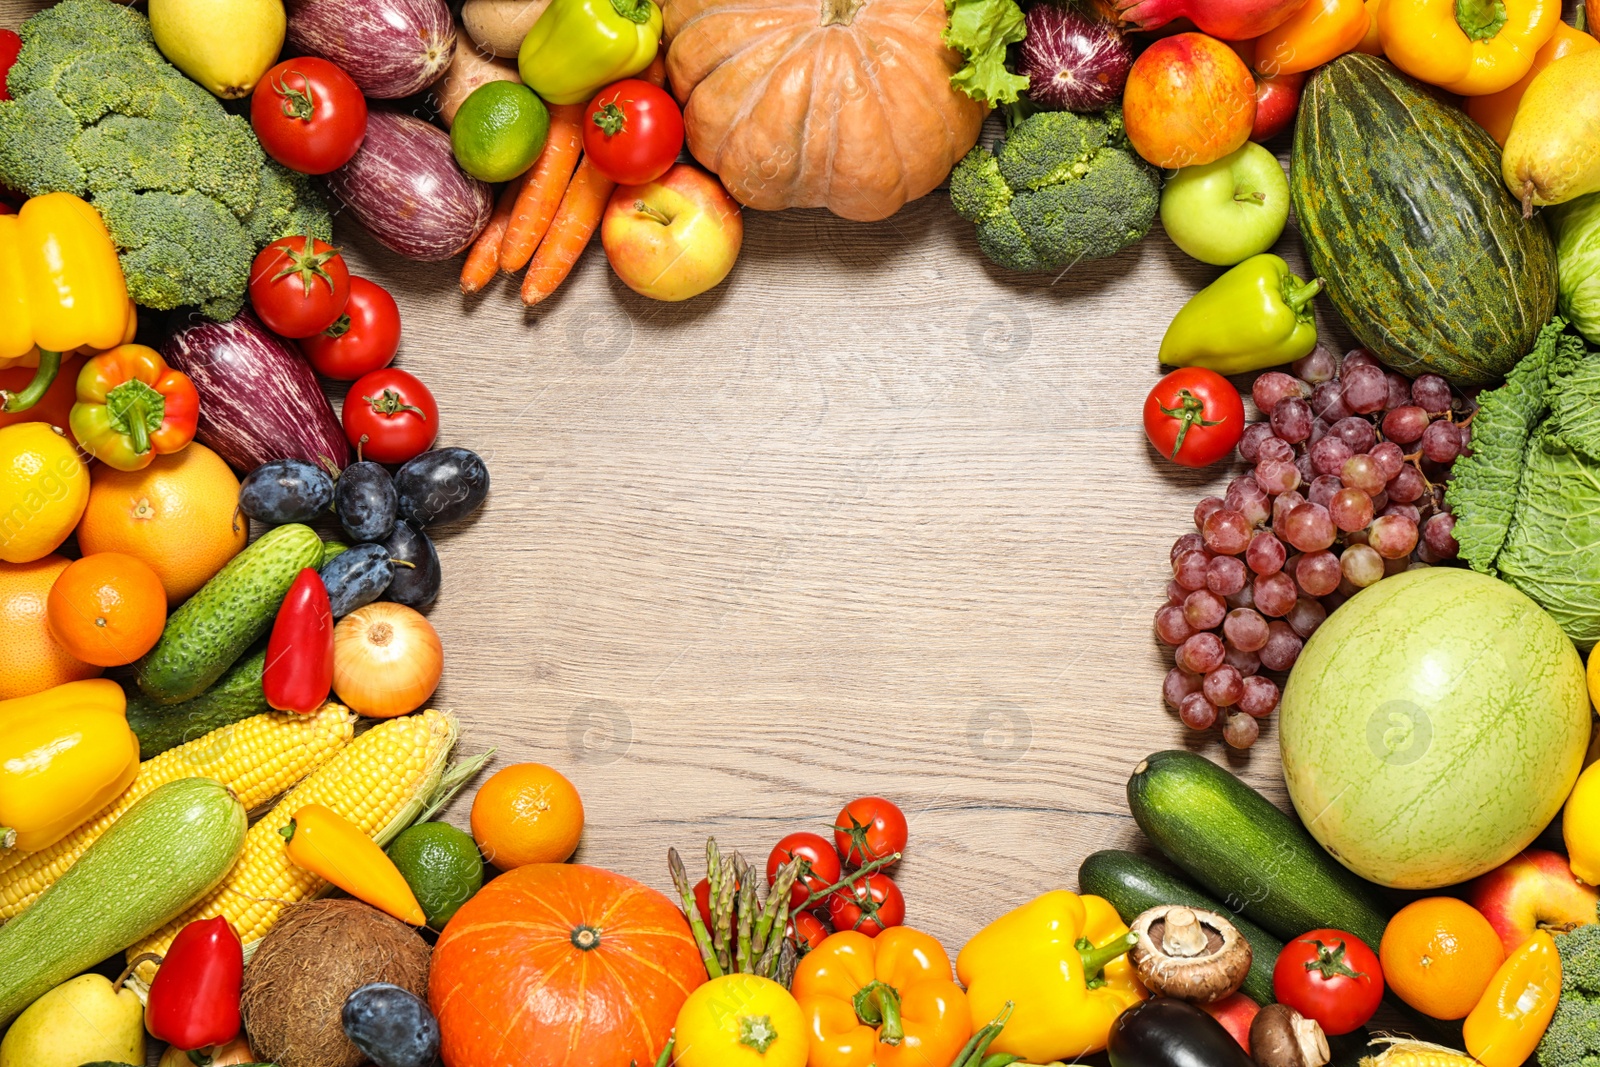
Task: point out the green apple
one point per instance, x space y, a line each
1227 211
81 1021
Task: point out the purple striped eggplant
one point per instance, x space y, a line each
403 185
259 399
390 48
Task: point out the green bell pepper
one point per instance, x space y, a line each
1256 315
578 47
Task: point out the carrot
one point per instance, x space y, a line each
483 261
545 186
574 225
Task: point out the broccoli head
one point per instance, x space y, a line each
1063 187
184 187
1573 1038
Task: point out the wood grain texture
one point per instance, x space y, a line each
872 517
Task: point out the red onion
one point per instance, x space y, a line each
391 48
403 185
1074 61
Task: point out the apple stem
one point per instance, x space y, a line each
1258 197
658 215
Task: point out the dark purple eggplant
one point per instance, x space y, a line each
403 185
1074 57
415 586
1163 1032
259 399
390 48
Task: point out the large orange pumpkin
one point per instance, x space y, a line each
842 104
560 965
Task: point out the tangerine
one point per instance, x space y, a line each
527 813
107 609
1439 954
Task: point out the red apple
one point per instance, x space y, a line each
675 237
1277 101
1235 1012
1190 100
1534 891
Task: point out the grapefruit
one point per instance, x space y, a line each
1432 727
31 659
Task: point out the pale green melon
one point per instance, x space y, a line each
1432 727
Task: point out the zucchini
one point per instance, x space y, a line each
1134 884
1253 857
237 696
209 633
170 849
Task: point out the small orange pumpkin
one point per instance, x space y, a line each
561 965
842 104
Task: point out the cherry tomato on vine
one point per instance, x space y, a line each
1194 416
820 858
632 132
390 415
362 340
702 899
1329 976
309 115
806 931
299 286
870 905
869 829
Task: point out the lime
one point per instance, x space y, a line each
441 865
499 131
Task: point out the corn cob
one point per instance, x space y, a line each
1405 1053
257 759
383 781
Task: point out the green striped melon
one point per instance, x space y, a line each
1407 221
1432 727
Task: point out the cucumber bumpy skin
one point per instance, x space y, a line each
235 697
209 633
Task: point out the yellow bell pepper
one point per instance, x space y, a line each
1469 47
61 287
1060 960
336 850
1514 1012
64 754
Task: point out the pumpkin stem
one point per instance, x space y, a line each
839 12
586 938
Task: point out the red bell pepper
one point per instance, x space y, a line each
194 998
10 46
299 671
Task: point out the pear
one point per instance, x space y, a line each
225 45
77 1022
1553 151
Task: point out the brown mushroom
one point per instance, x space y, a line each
1189 953
1282 1037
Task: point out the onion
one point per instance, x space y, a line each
1074 59
235 1051
390 48
386 660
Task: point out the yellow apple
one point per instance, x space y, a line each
675 237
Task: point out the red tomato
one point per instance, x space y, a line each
309 115
821 871
390 416
1194 416
362 340
10 46
702 899
1235 1012
1329 976
870 905
299 286
632 132
806 931
869 829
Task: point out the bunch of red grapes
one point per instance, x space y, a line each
1347 488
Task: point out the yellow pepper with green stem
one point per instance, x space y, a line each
1061 962
1469 47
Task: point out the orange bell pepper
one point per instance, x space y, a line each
1468 47
333 848
889 1001
1495 111
1514 1012
1319 32
1372 42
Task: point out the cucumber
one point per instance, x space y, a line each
169 850
236 696
213 628
1253 857
331 549
1134 884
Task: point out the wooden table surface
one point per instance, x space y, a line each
872 517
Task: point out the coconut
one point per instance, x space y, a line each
319 953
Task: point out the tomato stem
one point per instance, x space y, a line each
1330 960
308 263
390 403
1190 410
297 103
610 119
848 880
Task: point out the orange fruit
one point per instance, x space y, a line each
107 609
176 515
31 659
527 813
1438 955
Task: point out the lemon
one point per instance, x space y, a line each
44 487
499 131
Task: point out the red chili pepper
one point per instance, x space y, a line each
299 671
194 998
10 46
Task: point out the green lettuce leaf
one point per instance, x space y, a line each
1575 397
981 30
